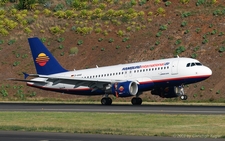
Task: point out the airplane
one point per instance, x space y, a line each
165 78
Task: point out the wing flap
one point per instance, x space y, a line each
77 82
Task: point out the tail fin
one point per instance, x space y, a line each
44 61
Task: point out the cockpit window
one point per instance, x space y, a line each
198 64
194 64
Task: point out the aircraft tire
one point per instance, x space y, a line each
109 101
136 101
139 101
183 97
106 101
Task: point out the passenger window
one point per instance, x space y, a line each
192 64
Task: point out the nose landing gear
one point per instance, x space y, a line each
183 97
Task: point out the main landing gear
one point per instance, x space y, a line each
136 101
106 101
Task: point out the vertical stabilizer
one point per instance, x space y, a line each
44 61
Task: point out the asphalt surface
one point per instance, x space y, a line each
41 136
161 109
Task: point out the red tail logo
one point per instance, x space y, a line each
42 59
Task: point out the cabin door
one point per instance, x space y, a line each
174 69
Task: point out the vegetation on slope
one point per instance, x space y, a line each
84 33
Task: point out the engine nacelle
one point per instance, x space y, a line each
167 92
125 89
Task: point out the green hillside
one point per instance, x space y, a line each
85 33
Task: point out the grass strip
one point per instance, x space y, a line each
206 126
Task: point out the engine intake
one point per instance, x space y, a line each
125 89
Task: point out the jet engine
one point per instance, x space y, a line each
125 89
167 92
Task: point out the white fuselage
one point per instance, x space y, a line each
148 74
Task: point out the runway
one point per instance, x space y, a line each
156 109
41 136
160 109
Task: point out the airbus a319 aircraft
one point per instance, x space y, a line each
165 77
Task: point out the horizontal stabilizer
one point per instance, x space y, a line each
29 75
24 80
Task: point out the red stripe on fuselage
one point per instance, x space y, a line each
182 78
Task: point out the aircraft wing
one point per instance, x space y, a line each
95 84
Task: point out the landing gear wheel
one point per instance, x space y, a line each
183 97
136 101
109 101
106 101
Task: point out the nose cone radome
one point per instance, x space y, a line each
207 71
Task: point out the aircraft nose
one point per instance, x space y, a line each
208 71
